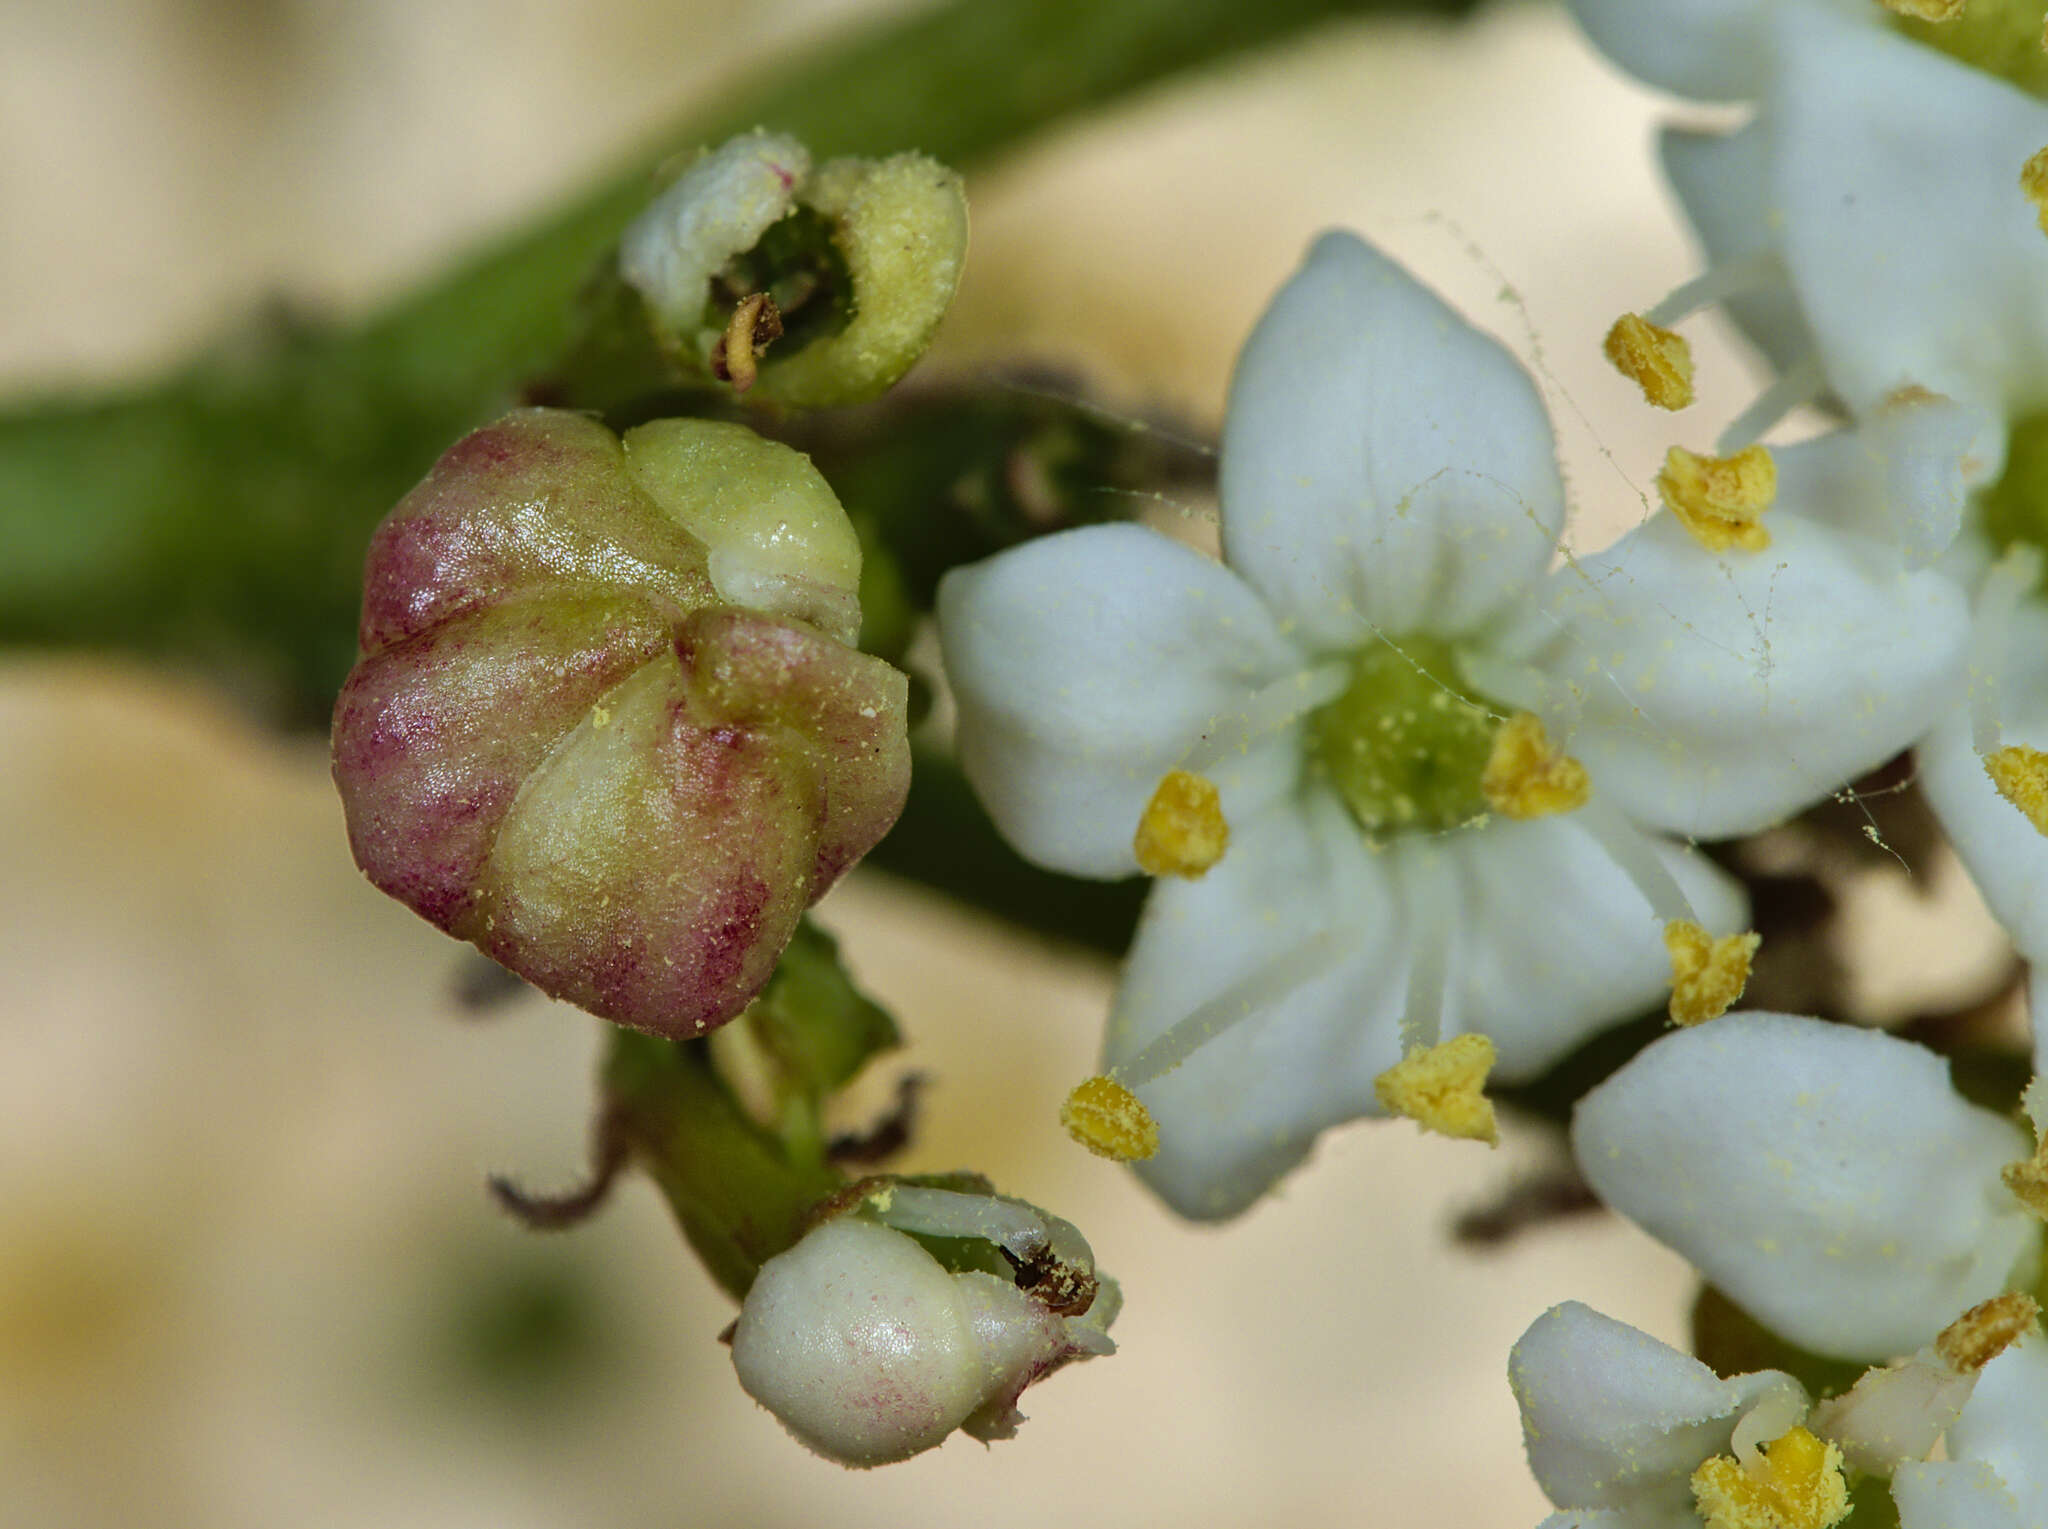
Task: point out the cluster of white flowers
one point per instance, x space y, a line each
1421 793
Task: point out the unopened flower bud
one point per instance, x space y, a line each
856 260
608 723
869 1350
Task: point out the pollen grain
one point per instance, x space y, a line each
1655 359
1721 500
1985 1331
2021 776
1798 1484
1526 777
1110 1121
1442 1089
1707 975
1182 831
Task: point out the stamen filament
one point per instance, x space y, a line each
1803 383
1271 707
1634 858
1251 995
1716 284
1422 1015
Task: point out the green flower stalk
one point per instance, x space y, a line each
609 722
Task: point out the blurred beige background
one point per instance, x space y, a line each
248 1274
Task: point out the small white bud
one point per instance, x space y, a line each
871 1351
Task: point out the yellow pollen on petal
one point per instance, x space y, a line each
1707 975
1927 10
1797 1485
1525 777
1182 832
2021 776
1983 1332
1655 359
2034 182
1108 1119
1442 1089
1721 500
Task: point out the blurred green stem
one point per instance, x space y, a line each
218 516
738 1193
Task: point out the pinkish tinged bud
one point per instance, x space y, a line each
608 722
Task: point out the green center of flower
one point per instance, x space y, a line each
2001 37
1404 745
2015 508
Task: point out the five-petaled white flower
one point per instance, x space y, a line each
1355 702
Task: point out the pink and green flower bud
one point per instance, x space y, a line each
608 722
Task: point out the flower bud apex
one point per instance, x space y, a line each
856 261
607 721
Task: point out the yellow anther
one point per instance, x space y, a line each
754 323
1797 1485
1182 832
2034 180
1721 500
2021 776
1927 10
1983 1332
1707 975
1525 777
2028 1180
1442 1089
1106 1118
1656 360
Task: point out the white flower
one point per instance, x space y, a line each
1828 1179
869 1350
1870 223
1616 1422
1390 506
1618 1426
1868 229
1996 1476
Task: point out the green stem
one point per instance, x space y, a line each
738 1195
218 516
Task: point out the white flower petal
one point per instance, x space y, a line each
1385 465
2005 1425
716 209
1548 942
1714 50
1552 942
1247 1108
1828 1179
1612 1418
1901 477
1724 181
1955 1494
2003 853
1713 695
1915 255
1088 664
